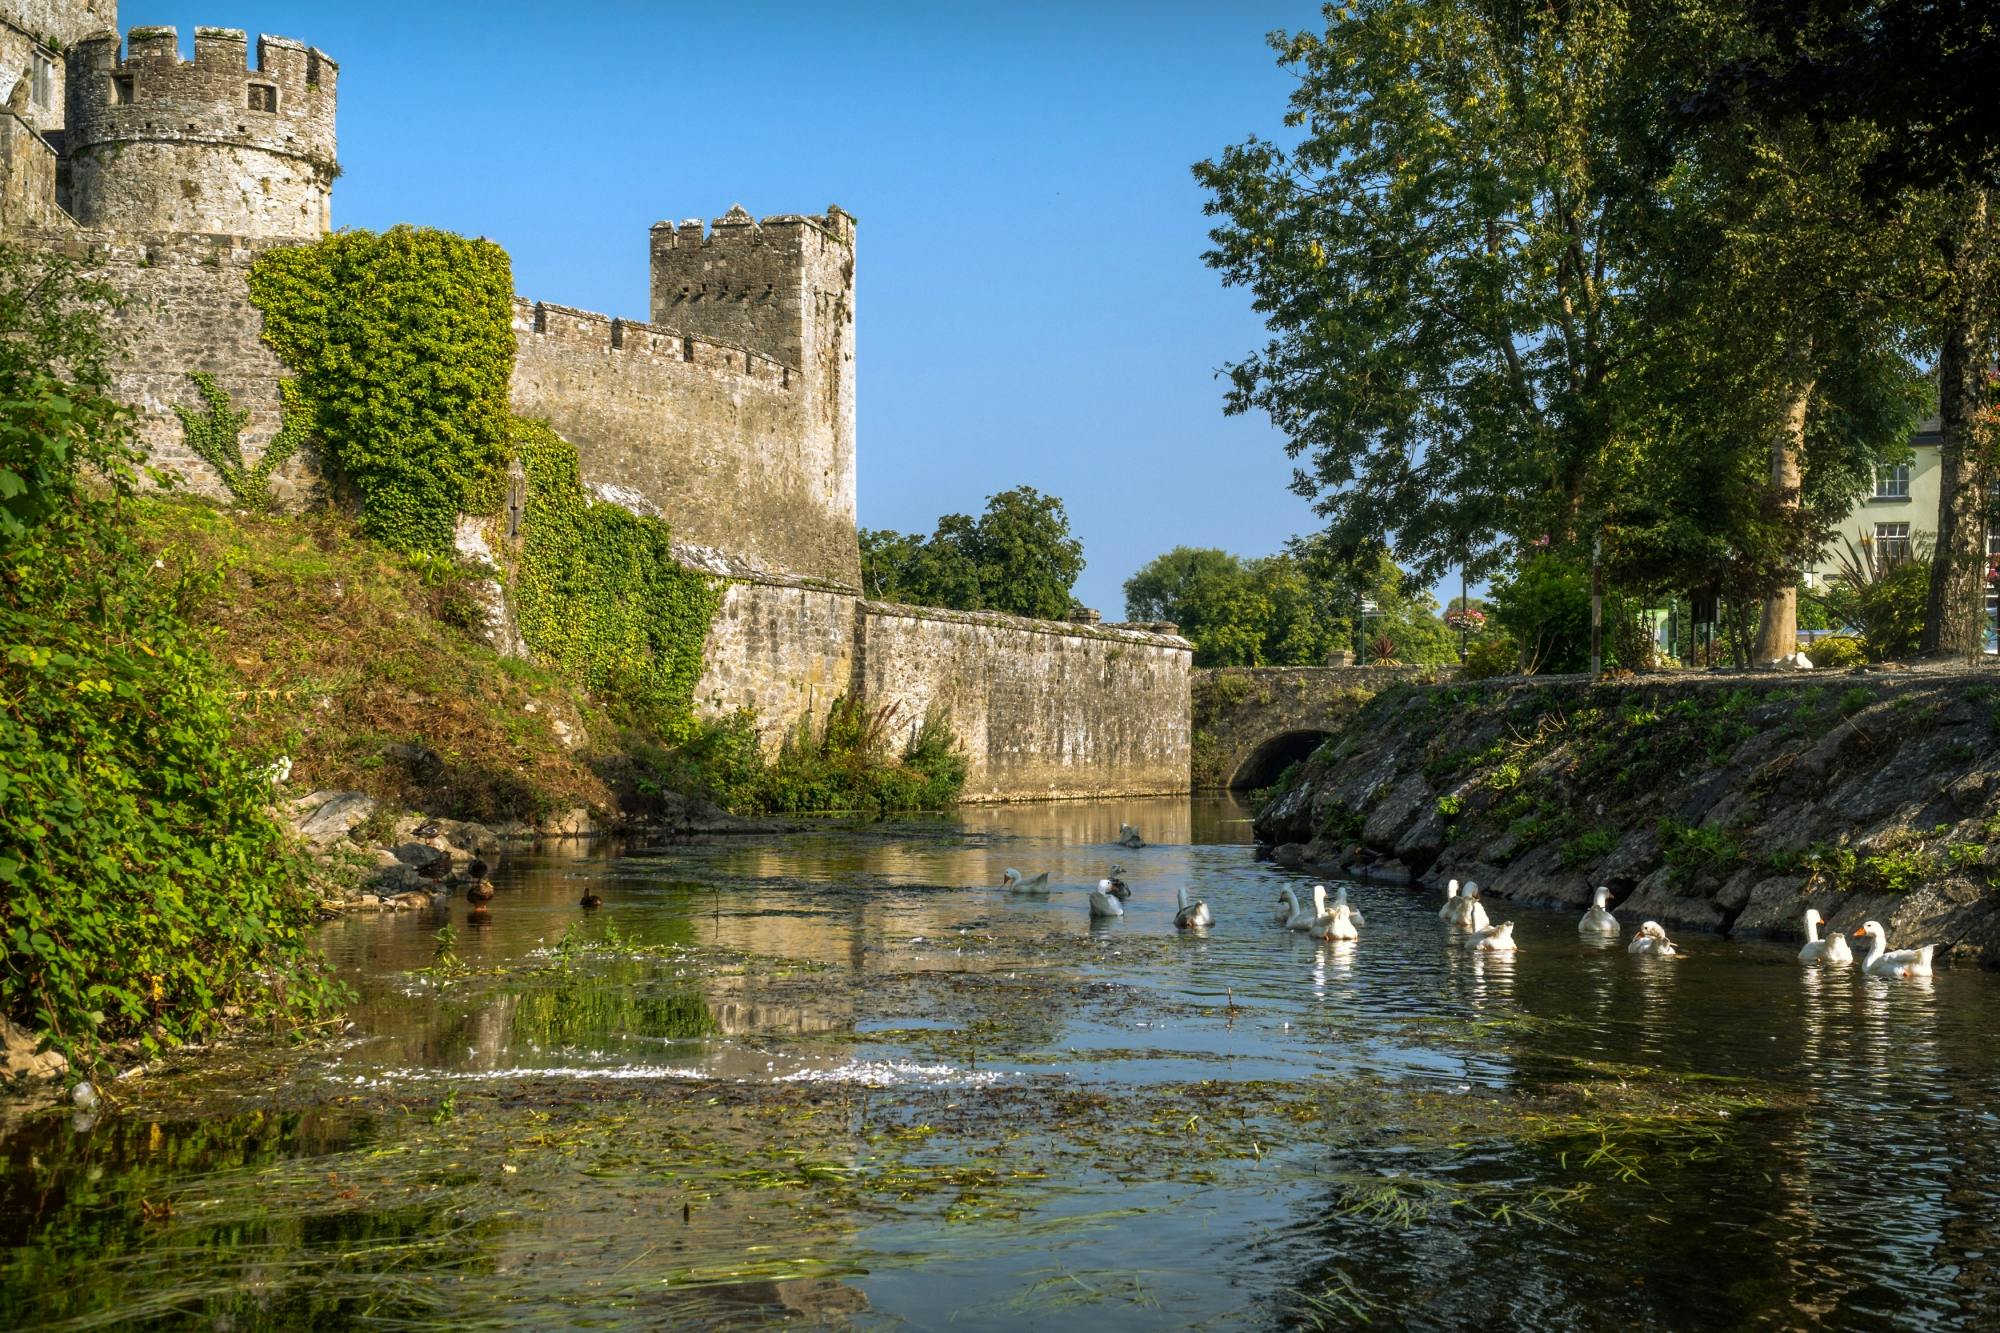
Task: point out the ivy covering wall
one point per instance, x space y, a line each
597 589
403 344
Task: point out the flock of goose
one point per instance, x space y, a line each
1466 917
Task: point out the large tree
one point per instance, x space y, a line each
1433 256
1018 557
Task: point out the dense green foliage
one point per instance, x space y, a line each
214 436
1017 557
403 345
850 761
1520 301
598 590
145 883
1287 610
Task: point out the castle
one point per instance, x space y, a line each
730 412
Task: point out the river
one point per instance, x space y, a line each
842 1076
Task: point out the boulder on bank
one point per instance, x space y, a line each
21 1058
326 816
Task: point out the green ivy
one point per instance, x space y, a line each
598 590
403 344
214 438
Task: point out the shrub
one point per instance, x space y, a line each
1494 655
1837 651
1587 847
144 882
1545 608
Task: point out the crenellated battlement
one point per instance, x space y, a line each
779 285
212 144
586 331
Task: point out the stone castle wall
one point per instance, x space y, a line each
714 436
187 309
1043 710
27 176
156 143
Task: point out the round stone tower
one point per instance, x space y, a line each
156 143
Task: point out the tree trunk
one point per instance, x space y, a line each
1778 629
1955 615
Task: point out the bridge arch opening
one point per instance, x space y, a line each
1261 767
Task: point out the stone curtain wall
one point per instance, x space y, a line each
208 145
51 26
784 650
711 436
1044 710
187 308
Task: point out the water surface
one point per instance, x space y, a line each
843 1077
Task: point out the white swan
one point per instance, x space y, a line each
1651 938
1468 913
1340 900
1885 962
1493 939
1598 920
1193 913
1833 949
1010 878
1450 907
1103 902
1337 924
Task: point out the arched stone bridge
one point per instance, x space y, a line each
1251 722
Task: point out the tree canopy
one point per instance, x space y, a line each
1018 557
1286 610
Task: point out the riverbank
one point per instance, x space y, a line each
1721 803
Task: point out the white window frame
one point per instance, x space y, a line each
1892 542
1892 481
41 79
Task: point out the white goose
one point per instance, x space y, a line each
1193 913
1450 902
1468 913
1598 920
1288 906
1493 939
1304 917
1338 924
1010 878
1833 949
1651 938
1885 962
1340 900
1104 902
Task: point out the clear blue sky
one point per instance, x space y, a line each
1032 307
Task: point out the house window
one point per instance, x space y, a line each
263 97
42 81
1892 542
1893 483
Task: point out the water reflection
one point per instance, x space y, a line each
840 1073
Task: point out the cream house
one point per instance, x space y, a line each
1899 519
